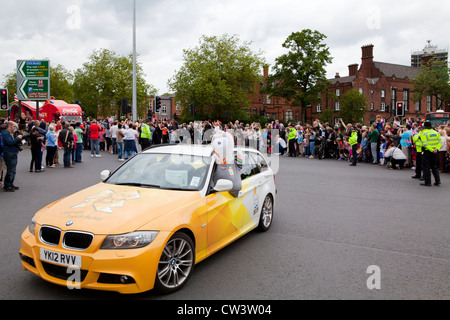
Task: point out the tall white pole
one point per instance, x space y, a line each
134 63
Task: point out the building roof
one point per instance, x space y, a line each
397 70
342 79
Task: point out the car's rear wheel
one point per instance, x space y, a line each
176 263
266 217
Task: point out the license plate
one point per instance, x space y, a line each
62 259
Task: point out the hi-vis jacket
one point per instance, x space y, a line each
353 138
431 140
145 131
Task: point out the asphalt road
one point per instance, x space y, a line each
332 222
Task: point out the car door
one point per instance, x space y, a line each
250 193
224 219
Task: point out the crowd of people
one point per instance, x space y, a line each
390 144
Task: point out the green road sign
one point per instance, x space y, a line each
33 68
34 89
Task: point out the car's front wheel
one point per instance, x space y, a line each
266 217
176 263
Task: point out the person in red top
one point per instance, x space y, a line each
94 130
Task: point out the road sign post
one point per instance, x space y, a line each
33 81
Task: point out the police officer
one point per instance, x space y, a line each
146 135
353 140
291 139
418 145
431 143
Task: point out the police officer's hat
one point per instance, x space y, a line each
427 124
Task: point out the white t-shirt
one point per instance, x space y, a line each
281 142
114 131
396 153
130 134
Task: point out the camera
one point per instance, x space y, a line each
21 142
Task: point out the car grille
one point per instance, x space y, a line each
50 235
76 240
61 272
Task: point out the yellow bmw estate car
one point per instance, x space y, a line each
148 223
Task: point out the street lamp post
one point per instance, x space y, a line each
134 110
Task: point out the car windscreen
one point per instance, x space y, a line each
163 171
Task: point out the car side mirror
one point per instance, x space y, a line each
105 174
223 185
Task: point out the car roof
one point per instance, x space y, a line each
201 150
192 149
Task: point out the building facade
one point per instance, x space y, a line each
384 84
429 50
272 107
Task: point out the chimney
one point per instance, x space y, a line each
426 59
367 52
337 75
352 69
266 71
367 60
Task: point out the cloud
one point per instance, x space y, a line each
67 32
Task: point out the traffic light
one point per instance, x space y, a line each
4 99
400 109
157 103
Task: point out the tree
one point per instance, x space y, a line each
299 75
433 80
107 78
353 106
216 77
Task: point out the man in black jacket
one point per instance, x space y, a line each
66 139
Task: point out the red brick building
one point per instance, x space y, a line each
273 107
384 84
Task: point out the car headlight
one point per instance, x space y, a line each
32 226
131 240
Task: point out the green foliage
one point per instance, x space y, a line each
300 75
217 76
326 116
433 80
353 106
107 78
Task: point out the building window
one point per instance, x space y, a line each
338 92
372 106
383 107
268 99
163 110
383 94
178 106
429 104
289 115
418 106
393 97
360 90
406 99
319 108
337 106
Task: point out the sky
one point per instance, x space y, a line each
67 31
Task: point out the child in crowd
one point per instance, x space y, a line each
341 149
